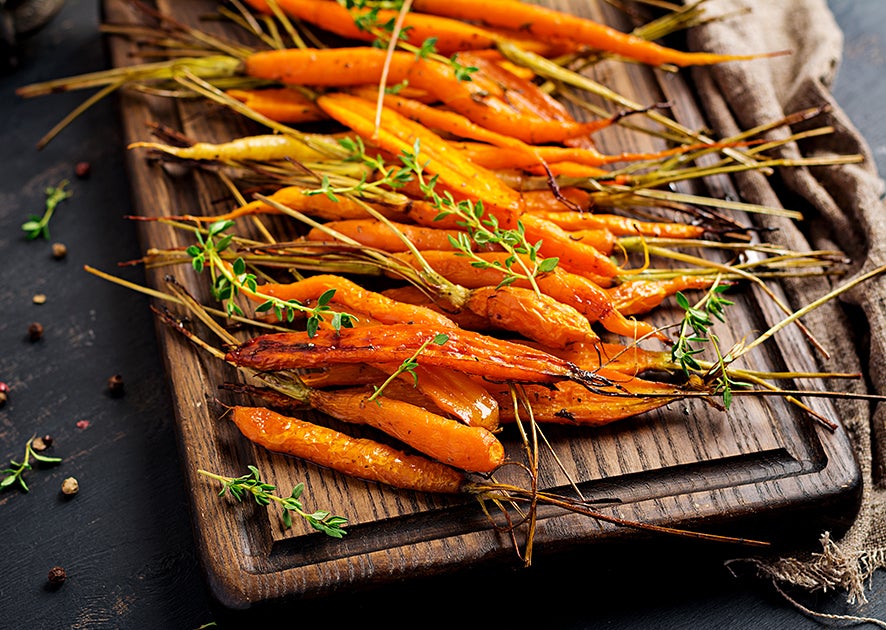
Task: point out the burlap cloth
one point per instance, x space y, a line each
845 210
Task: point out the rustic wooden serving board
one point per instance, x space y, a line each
687 465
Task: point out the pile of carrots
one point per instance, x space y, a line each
487 302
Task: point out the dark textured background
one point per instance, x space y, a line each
125 539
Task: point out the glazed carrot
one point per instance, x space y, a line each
463 179
464 351
448 391
352 297
538 317
536 201
628 359
457 394
463 318
637 297
473 449
357 457
348 67
619 225
285 105
542 23
375 234
451 35
567 404
602 240
568 288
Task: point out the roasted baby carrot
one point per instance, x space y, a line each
450 35
636 297
465 351
357 457
567 404
378 235
569 288
472 449
542 23
538 317
620 225
285 105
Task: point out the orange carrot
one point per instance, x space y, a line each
357 457
473 449
285 105
348 67
375 234
538 317
542 22
352 297
628 359
637 297
464 351
451 35
619 225
567 404
568 288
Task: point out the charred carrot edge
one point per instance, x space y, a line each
542 22
357 457
472 449
464 351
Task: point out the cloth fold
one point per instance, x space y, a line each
844 209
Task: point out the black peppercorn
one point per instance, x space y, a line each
57 575
115 386
35 331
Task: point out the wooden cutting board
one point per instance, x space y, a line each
753 470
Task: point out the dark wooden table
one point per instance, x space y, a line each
125 539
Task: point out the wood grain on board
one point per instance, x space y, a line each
690 465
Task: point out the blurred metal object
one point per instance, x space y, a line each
18 20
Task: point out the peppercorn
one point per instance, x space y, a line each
115 386
82 169
4 393
41 443
35 331
57 576
70 486
59 251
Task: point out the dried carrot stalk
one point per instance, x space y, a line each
473 449
543 23
357 457
464 351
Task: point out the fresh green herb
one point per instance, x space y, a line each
695 328
229 280
240 487
37 225
16 470
409 365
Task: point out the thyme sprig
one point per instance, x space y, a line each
481 228
263 493
409 365
229 279
36 225
695 328
16 470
